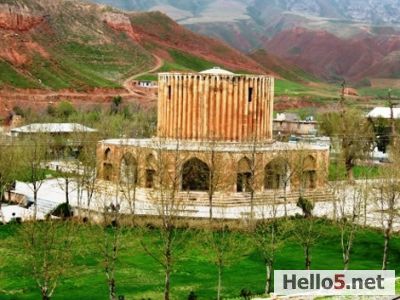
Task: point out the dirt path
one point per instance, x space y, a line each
127 85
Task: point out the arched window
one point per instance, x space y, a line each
107 154
244 176
309 174
276 174
150 171
195 175
128 169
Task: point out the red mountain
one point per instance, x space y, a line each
327 56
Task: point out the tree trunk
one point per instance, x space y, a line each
1 212
35 192
285 199
210 202
134 201
349 174
168 260
346 260
45 294
307 257
167 283
268 277
219 282
251 204
387 236
112 289
67 191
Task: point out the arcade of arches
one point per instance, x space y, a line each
236 172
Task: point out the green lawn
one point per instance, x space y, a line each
139 277
360 172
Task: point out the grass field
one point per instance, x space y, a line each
359 172
378 92
139 277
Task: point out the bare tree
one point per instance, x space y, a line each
47 249
130 178
280 172
388 195
223 247
35 154
268 236
306 231
86 179
10 167
165 196
350 201
110 237
216 174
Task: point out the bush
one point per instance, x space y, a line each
192 296
306 206
65 109
64 210
245 294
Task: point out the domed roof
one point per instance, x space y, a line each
216 71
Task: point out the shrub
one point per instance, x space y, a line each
192 296
245 294
65 109
64 210
306 206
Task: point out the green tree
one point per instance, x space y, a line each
353 133
47 249
64 110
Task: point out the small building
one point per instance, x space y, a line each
56 129
384 113
286 124
380 118
67 138
145 83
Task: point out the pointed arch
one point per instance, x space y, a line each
128 169
107 154
244 175
276 174
195 175
309 172
150 170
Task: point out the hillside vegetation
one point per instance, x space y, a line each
81 46
64 45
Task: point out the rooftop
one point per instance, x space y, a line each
185 145
384 112
52 128
217 71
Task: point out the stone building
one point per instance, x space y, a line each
214 134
